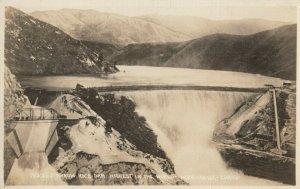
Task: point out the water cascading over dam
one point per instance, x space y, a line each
184 122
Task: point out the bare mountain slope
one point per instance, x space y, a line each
34 47
196 27
271 53
92 25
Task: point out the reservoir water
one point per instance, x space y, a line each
143 75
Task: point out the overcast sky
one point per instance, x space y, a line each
214 9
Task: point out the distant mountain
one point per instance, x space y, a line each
271 53
91 25
33 47
196 27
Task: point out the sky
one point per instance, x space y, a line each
281 10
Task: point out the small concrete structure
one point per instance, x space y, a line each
33 136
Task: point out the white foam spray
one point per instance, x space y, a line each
184 122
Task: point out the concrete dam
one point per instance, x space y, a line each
184 121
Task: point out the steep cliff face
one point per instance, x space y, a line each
14 100
247 139
33 47
253 123
253 116
13 95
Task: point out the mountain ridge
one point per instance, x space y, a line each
33 47
91 25
195 25
106 27
271 53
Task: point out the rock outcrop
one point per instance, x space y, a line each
71 107
14 98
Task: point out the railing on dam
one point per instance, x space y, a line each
34 114
115 88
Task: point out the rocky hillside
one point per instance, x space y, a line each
92 25
14 101
13 95
247 139
271 53
253 123
33 47
105 157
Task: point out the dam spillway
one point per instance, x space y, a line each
184 122
33 136
32 142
